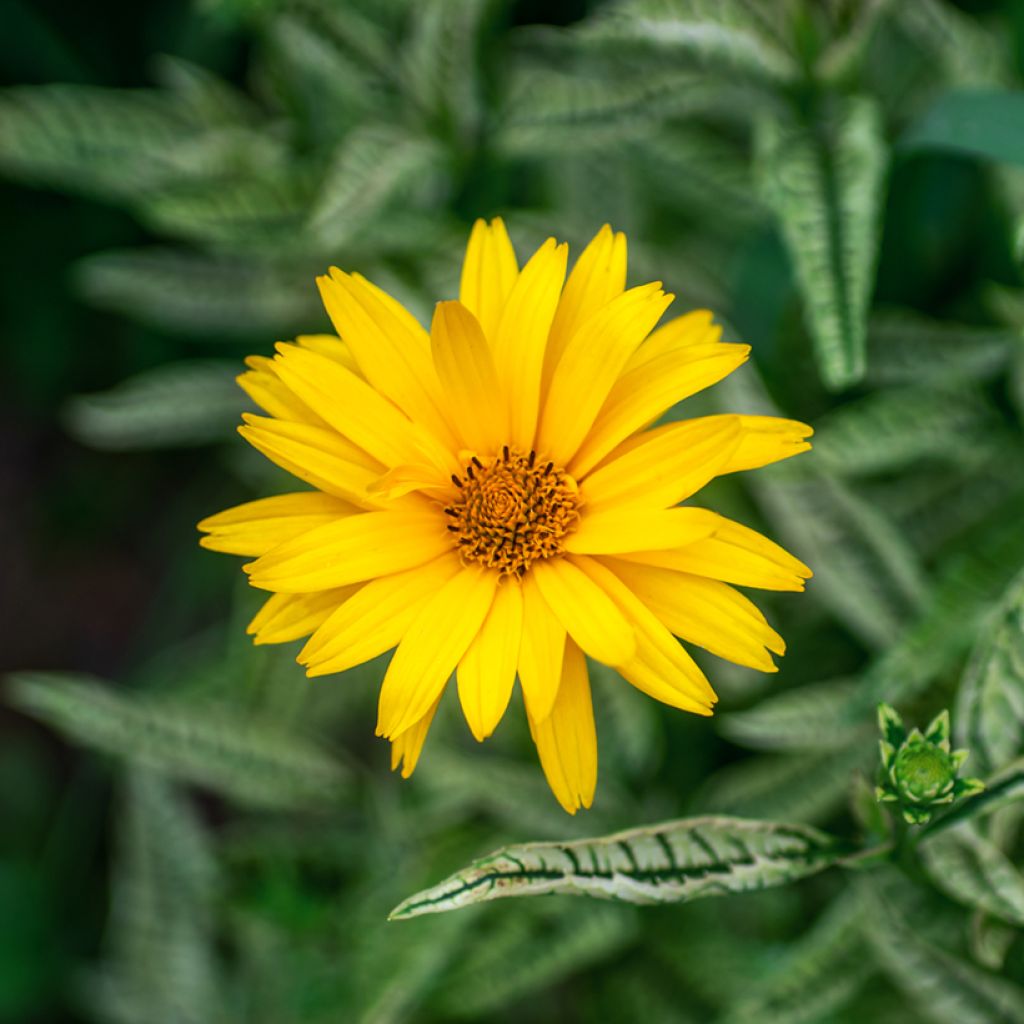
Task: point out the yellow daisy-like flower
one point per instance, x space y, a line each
491 499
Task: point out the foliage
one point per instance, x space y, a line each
836 182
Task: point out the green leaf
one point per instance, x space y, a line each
824 185
161 964
700 171
865 572
109 142
813 717
990 703
907 348
941 987
967 585
970 869
794 787
176 405
1003 788
249 761
246 215
819 974
985 124
190 292
990 940
888 430
372 166
957 45
440 64
551 109
726 36
670 863
209 99
527 953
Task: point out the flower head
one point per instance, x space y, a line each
491 499
919 771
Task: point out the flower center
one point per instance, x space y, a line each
512 512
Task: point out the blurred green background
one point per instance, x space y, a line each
209 837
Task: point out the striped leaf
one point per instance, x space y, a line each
825 187
990 702
675 862
176 405
972 870
252 762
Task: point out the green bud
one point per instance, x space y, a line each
918 770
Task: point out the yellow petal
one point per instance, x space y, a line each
487 671
598 276
404 480
767 439
566 739
704 612
735 554
376 618
257 526
286 617
432 647
622 530
262 384
663 466
465 367
660 667
392 351
645 391
352 550
694 328
355 409
585 610
489 273
406 746
331 346
321 457
540 652
591 363
521 337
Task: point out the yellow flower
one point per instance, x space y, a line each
491 499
